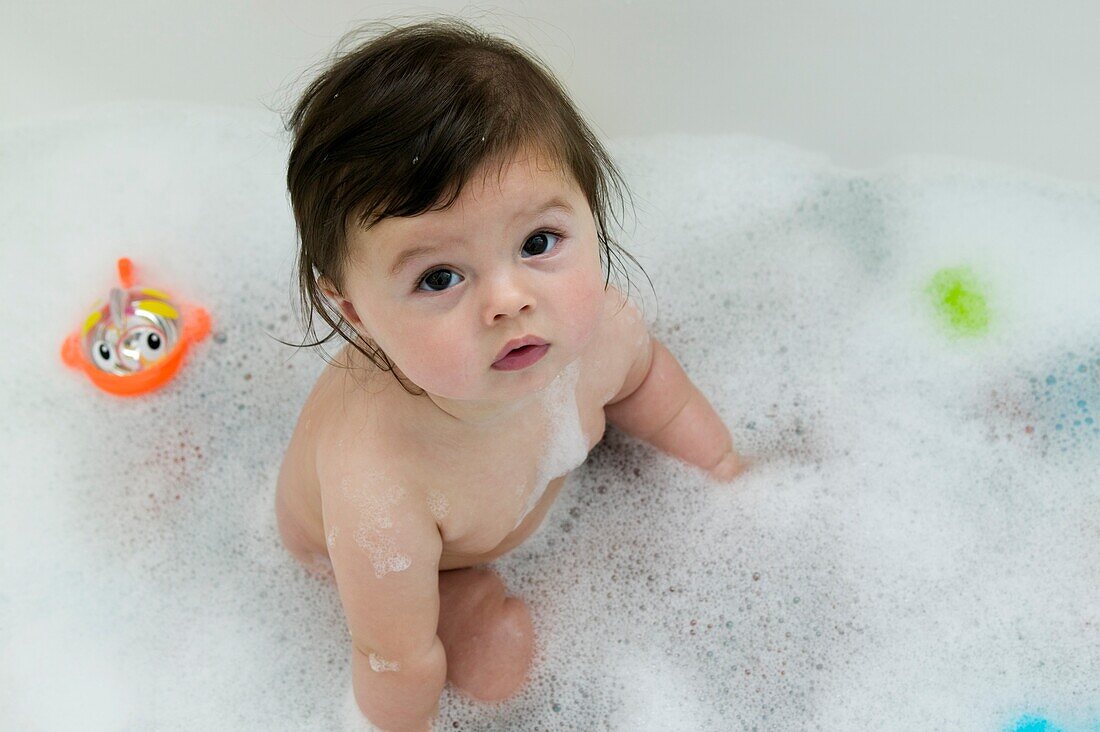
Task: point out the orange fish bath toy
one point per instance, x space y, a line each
135 341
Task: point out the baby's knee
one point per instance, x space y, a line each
509 645
471 587
515 621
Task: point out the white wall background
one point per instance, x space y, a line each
1009 81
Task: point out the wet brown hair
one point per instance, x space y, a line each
398 124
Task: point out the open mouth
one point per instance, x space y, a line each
522 357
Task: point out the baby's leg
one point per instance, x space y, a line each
488 637
298 542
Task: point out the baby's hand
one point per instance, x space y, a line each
728 468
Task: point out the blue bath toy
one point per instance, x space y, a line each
1030 723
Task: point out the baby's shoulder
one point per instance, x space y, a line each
619 344
370 489
360 439
314 455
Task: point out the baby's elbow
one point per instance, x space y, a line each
296 540
399 695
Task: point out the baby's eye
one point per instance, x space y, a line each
442 277
435 277
542 236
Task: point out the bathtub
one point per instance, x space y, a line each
909 353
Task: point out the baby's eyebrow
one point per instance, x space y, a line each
410 254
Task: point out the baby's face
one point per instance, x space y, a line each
503 268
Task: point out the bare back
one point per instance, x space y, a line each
487 493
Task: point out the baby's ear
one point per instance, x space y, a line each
328 288
345 306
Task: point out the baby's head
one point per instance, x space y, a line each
439 135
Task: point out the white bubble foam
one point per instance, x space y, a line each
916 545
565 445
438 504
379 664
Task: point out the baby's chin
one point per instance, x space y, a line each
507 386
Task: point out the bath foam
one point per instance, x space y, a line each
903 554
381 665
373 533
438 505
565 444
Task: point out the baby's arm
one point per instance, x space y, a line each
386 564
660 405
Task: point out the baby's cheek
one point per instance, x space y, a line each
443 362
585 309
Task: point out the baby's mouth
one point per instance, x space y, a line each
522 357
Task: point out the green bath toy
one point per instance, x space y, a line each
958 299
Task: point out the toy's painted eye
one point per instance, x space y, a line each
104 356
151 344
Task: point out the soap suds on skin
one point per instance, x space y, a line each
381 665
566 444
438 505
382 550
375 519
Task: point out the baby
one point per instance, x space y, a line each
451 205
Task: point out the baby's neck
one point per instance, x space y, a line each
478 416
438 418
